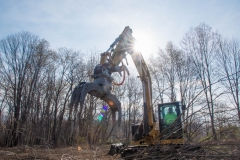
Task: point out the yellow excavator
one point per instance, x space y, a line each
167 130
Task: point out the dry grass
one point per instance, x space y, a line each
64 153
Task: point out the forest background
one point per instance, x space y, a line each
37 82
48 47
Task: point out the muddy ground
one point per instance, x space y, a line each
63 153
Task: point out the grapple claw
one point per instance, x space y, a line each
102 85
100 91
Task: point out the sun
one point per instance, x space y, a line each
144 43
137 46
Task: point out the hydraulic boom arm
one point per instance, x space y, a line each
110 62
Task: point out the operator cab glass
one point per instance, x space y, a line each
170 120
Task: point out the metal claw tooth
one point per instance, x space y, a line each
115 105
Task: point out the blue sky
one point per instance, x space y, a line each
92 25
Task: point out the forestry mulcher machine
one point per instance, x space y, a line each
150 133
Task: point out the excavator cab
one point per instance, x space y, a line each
170 129
170 121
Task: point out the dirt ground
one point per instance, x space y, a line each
64 153
225 150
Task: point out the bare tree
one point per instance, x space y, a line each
168 60
201 43
17 52
134 94
158 79
229 69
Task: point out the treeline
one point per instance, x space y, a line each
37 82
204 75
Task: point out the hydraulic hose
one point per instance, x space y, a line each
119 84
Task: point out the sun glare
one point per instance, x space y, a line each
143 43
